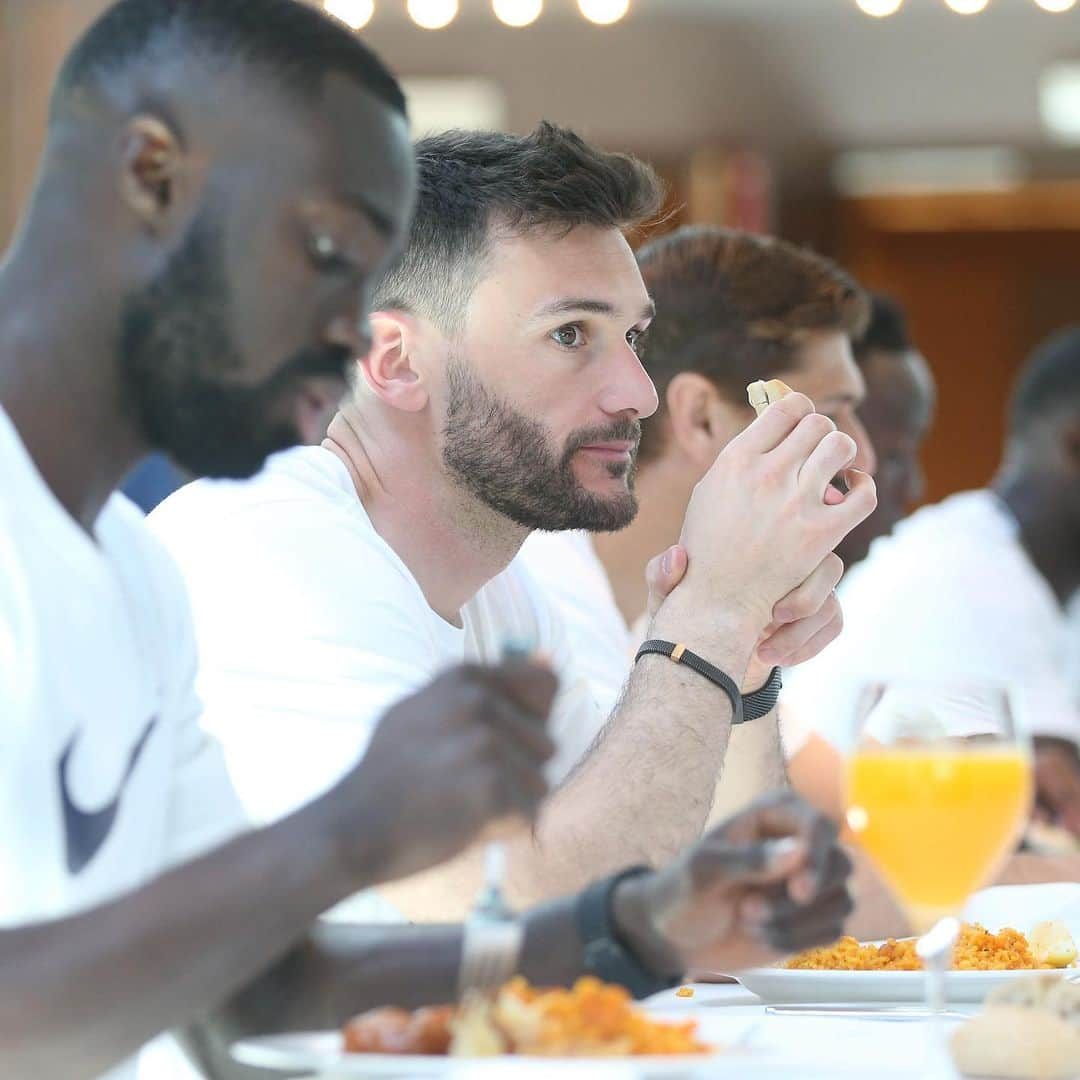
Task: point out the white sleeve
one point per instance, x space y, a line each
204 809
306 635
947 619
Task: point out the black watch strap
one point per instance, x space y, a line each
763 700
605 955
682 655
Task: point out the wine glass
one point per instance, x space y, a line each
939 788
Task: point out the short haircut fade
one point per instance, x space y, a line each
286 40
473 182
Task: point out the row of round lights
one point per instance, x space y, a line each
435 14
881 8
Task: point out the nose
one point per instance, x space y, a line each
866 457
628 388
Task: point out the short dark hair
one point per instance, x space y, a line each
473 181
887 330
290 41
1049 382
734 307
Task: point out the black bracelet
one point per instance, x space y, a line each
763 700
682 655
604 954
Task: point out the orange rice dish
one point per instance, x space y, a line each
976 950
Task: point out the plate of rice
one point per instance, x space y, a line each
890 971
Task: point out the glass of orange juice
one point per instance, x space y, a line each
939 789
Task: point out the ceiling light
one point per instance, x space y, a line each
967 7
432 14
1056 5
517 12
879 8
604 12
353 13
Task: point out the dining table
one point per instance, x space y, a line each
762 1042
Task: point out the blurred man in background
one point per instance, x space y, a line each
896 414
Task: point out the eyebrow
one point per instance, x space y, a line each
595 307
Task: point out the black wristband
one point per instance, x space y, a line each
763 700
682 655
604 954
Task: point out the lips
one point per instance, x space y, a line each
621 448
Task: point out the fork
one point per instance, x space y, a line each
493 935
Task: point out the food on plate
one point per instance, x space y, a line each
1029 1028
594 1019
1052 944
685 991
762 394
399 1031
977 949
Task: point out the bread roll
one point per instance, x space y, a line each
1029 1028
763 394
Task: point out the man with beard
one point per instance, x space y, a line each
503 394
223 182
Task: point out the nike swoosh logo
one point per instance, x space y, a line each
84 832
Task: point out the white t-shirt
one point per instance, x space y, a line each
106 778
950 595
310 626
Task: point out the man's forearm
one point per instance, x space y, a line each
753 765
80 994
645 789
640 795
345 969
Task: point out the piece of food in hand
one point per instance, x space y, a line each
1052 944
1029 1028
762 394
977 949
593 1019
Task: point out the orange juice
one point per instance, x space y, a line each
937 821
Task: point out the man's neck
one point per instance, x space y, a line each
1046 531
665 491
452 544
59 384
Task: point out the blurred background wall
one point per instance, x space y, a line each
913 148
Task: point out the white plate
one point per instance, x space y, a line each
323 1052
783 986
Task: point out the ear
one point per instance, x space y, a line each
155 181
701 423
388 369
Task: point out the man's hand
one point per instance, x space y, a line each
762 522
803 622
463 752
772 880
1057 782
